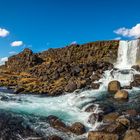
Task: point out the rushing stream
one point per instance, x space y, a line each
31 110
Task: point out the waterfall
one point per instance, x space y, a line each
128 54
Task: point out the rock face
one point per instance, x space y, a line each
59 70
102 136
23 61
121 95
114 86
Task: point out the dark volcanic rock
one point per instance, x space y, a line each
56 123
136 67
95 118
111 117
77 128
18 90
58 70
71 86
114 86
23 61
136 82
54 137
95 85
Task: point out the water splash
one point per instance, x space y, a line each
128 54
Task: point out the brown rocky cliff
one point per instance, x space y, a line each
58 70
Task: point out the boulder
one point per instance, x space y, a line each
111 117
56 123
123 120
95 85
114 86
91 108
77 128
115 128
106 108
121 94
132 135
95 77
102 136
93 118
75 71
71 86
136 82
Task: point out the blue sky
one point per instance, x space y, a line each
43 24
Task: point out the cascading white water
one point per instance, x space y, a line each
127 54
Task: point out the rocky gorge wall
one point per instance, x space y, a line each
59 70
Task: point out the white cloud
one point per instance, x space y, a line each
73 43
12 52
16 43
3 60
117 38
4 32
132 32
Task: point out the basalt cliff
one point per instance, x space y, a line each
57 71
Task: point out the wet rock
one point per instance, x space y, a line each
102 136
54 137
56 123
71 86
18 90
121 95
93 118
106 109
91 108
136 67
136 82
127 87
114 86
12 128
95 85
78 128
95 77
111 117
132 135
